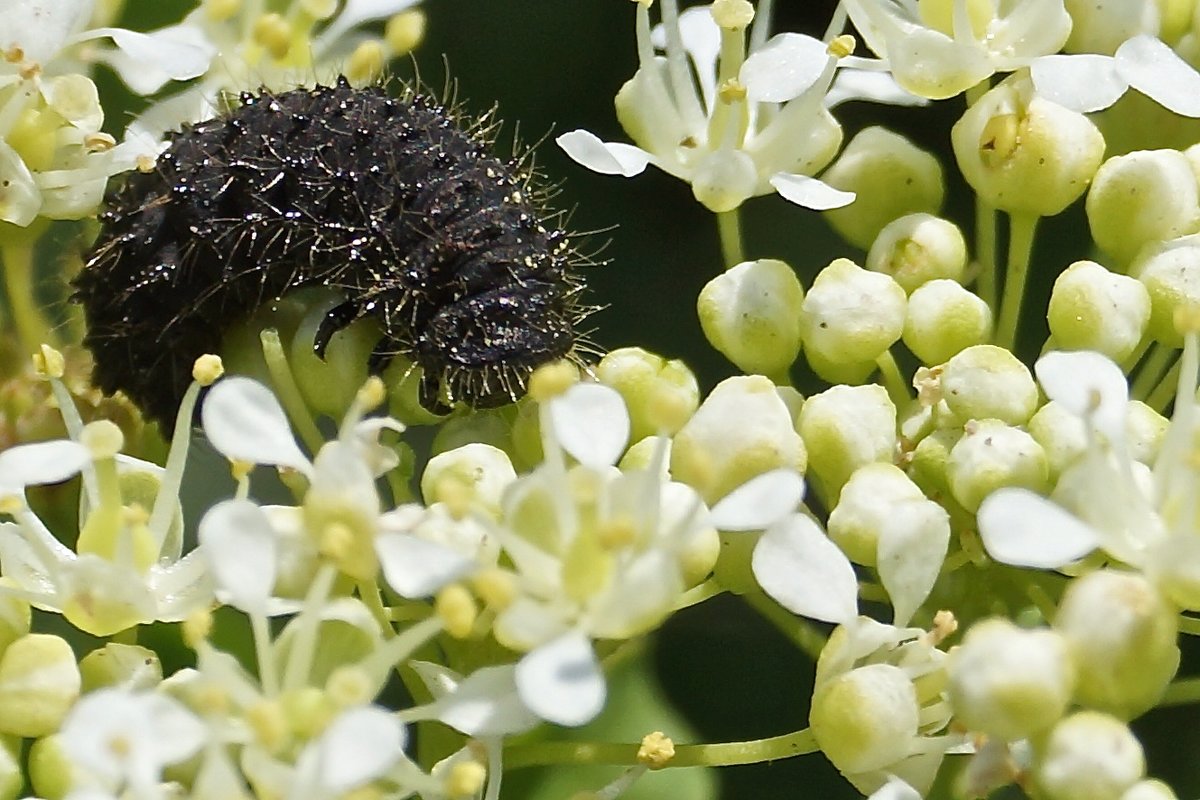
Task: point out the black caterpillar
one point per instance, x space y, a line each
388 199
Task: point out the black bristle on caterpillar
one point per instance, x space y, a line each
389 199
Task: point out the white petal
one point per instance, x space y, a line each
591 424
1089 385
1157 72
561 681
527 623
486 703
20 198
810 192
642 595
1024 529
237 540
895 789
1083 83
912 547
245 422
41 27
872 85
783 68
355 13
176 732
40 463
417 567
759 502
359 746
607 158
148 60
796 564
702 40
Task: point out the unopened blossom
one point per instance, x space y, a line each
751 313
1089 756
918 248
943 318
1094 309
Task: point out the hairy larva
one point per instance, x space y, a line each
391 200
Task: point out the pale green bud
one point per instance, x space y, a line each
11 778
867 501
928 463
1143 197
724 179
1024 154
50 770
1009 682
474 474
127 665
1123 639
39 682
1089 756
751 314
891 176
742 429
1149 790
1170 271
659 394
1094 309
844 428
991 454
1062 435
851 315
944 318
15 617
641 454
1103 27
329 384
865 719
1144 429
918 248
988 382
490 426
698 556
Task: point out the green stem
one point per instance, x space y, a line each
893 379
802 634
729 228
698 594
1181 692
1022 228
32 328
288 392
1161 396
1189 625
725 754
985 229
368 592
1157 362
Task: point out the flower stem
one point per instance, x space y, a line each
32 328
1164 393
893 379
1181 692
729 228
1150 374
1189 625
724 754
1022 228
287 391
798 630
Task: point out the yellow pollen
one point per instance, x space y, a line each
49 363
197 627
371 394
457 609
206 369
732 91
550 380
14 55
495 587
732 15
145 163
656 751
98 142
274 33
10 504
269 724
999 139
842 46
465 779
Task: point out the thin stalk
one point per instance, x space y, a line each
729 228
802 634
1165 392
1151 373
33 330
1022 228
287 391
893 379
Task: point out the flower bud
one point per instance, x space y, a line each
15 616
1143 197
991 454
1103 27
1144 429
850 315
724 179
475 474
1123 639
1024 154
928 463
1062 435
865 719
918 248
127 665
944 318
1149 790
844 428
50 769
329 384
1089 756
751 314
1094 309
742 429
39 682
867 501
989 382
1009 682
647 382
1170 271
891 176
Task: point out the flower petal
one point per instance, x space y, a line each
417 567
912 547
40 27
357 747
869 84
240 546
1084 83
796 564
561 681
783 68
40 463
759 502
148 60
591 424
486 703
1024 529
810 192
607 158
1158 72
245 422
1090 386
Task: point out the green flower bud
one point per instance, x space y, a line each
1061 434
11 779
1009 682
641 453
918 248
991 454
1170 271
1089 756
851 315
126 665
989 382
50 769
15 616
659 394
942 319
1103 27
492 427
751 314
891 176
699 555
742 429
329 384
1094 309
1024 154
844 428
39 682
865 719
1144 197
1123 639
928 463
863 508
475 474
1149 790
1145 429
